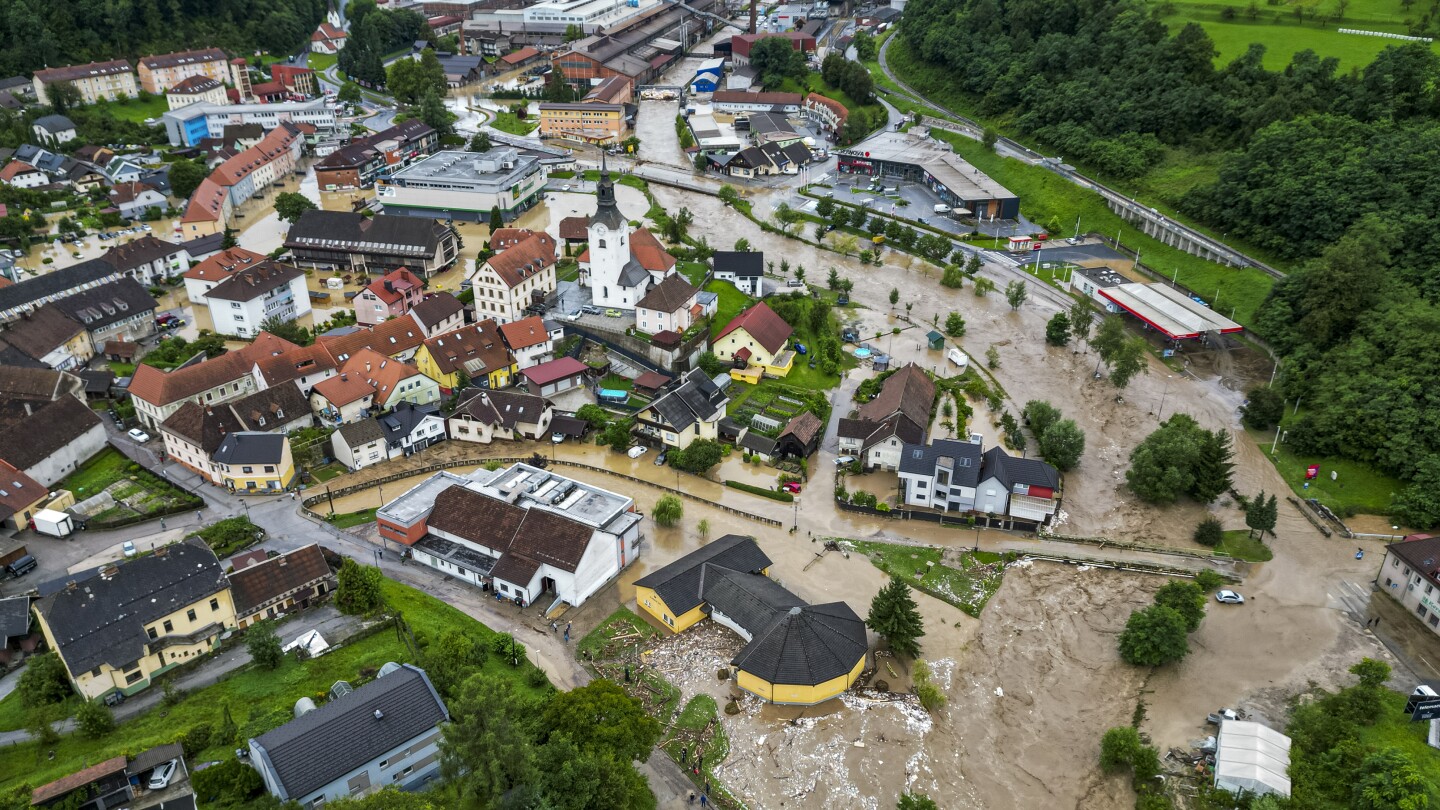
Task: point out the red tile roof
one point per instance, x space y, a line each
17 490
481 342
400 281
648 251
392 337
519 56
558 369
219 267
575 229
344 388
64 785
161 388
524 333
762 324
523 260
207 203
382 373
296 363
14 169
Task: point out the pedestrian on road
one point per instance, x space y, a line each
707 787
704 800
691 798
684 754
1377 621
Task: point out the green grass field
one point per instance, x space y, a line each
1356 489
322 61
507 122
259 700
1239 544
136 109
1283 34
348 519
967 588
731 302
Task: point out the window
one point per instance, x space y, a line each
234 304
384 763
190 614
169 626
214 604
1421 611
269 468
247 470
133 677
150 631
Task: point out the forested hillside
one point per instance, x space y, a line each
1334 171
37 33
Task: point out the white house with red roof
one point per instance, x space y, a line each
327 39
203 277
20 174
528 340
389 296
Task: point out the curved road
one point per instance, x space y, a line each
1015 149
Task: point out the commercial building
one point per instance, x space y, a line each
465 185
528 533
160 73
195 90
18 298
956 182
241 177
557 15
337 240
117 630
240 304
96 81
1251 759
118 310
357 164
192 124
740 44
795 653
1158 306
148 260
737 101
385 733
638 48
585 122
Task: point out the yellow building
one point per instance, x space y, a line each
118 629
796 653
96 81
588 123
757 339
253 461
163 71
475 351
689 408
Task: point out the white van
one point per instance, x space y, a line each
941 209
637 451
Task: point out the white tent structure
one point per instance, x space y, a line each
1252 758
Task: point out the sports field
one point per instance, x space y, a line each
1278 27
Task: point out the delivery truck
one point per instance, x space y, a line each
55 524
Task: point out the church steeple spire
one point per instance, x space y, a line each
607 212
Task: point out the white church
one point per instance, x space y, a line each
620 265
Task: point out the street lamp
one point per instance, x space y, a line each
1161 415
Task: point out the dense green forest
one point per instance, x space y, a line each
376 33
1335 172
40 33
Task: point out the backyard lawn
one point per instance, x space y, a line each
136 490
731 303
258 700
694 272
346 520
1356 489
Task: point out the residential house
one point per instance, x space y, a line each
121 169
194 90
280 584
193 433
161 72
360 162
134 198
296 80
338 240
243 176
386 733
439 313
84 177
826 113
801 436
96 81
410 428
941 475
757 339
795 653
744 269
394 381
1023 488
53 130
1412 577
117 310
757 444
20 497
20 174
400 339
122 782
148 260
574 231
898 416
690 408
359 444
482 416
73 432
528 533
516 278
21 297
342 399
476 353
256 293
51 337
529 341
202 277
669 305
389 296
157 394
555 376
250 461
116 631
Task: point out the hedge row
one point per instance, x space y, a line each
783 497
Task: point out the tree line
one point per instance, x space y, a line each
374 33
40 33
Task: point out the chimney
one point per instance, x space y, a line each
379 715
70 586
109 571
162 551
282 561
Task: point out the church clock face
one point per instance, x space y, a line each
600 228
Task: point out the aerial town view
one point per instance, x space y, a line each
647 404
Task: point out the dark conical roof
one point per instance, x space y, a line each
608 214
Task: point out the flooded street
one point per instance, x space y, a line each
655 127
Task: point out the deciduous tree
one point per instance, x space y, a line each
1154 636
264 645
668 510
1057 330
1184 598
290 205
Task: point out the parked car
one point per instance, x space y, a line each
557 438
660 459
22 566
792 487
138 435
844 460
1215 718
1229 597
128 548
794 282
637 451
800 349
612 313
590 310
573 315
163 773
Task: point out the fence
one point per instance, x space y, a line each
474 462
1104 543
944 518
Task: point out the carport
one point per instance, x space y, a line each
1252 758
1169 311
